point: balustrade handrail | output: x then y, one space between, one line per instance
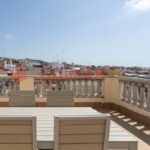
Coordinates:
50 77
134 80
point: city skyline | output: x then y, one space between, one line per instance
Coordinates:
114 33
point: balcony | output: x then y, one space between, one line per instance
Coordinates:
126 99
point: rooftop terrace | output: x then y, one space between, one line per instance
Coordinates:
126 99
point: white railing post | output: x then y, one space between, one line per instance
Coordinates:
148 98
135 98
44 88
99 88
85 88
92 88
3 87
129 93
124 93
142 97
74 87
79 88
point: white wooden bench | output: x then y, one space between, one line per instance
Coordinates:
118 138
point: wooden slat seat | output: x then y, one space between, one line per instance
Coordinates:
60 99
81 132
22 99
18 133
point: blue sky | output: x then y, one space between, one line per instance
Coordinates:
99 32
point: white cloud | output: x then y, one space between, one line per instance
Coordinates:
9 37
138 5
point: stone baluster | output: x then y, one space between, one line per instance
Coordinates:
129 93
79 88
76 88
50 85
1 88
85 88
9 85
59 85
62 85
148 98
82 88
125 92
4 89
6 86
15 85
73 87
44 88
88 89
56 86
142 97
135 97
92 88
67 85
98 88
38 87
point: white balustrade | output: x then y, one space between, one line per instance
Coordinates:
136 93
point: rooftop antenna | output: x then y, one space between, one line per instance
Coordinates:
57 58
3 53
62 55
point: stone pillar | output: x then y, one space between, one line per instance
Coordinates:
111 89
26 83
